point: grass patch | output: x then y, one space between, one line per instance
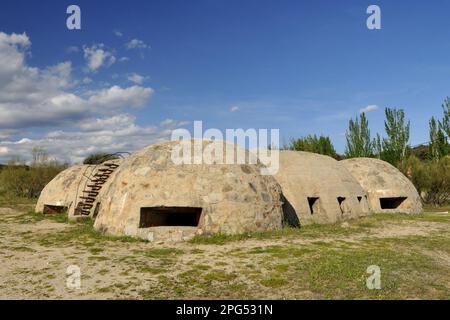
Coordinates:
34 217
274 281
81 232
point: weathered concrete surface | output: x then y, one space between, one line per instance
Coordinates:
235 198
305 176
382 180
63 190
67 187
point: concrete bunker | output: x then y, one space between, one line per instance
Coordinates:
76 190
154 198
387 188
60 194
319 189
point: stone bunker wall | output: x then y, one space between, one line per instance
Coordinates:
77 190
153 198
150 196
318 189
387 188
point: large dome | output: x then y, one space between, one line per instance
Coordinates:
388 189
154 198
318 189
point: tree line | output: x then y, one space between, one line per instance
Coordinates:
426 165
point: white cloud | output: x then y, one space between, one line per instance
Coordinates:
137 44
118 33
32 97
12 48
97 56
124 59
19 40
86 80
109 134
369 108
81 121
234 109
168 122
117 97
72 49
136 78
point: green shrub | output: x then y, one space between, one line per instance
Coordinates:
313 143
431 179
27 181
99 158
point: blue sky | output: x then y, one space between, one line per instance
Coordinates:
304 67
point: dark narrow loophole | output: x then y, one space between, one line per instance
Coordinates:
341 201
313 205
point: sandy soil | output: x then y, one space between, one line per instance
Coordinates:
111 269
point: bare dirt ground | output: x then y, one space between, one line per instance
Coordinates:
314 262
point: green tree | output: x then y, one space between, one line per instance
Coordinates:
99 158
312 143
359 143
22 181
445 124
395 146
378 146
438 142
39 156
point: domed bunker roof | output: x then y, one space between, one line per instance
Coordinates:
154 198
318 189
76 190
388 189
60 194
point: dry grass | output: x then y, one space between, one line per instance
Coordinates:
314 262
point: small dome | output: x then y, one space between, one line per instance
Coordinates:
60 194
388 189
77 190
318 189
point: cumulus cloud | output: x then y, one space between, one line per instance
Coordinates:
136 78
118 33
31 97
234 109
97 56
369 108
116 97
72 49
73 122
108 134
136 44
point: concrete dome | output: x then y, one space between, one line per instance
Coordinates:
77 190
61 193
318 189
388 189
153 198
